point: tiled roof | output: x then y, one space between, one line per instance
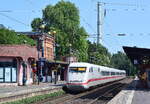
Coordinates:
34 34
23 51
30 33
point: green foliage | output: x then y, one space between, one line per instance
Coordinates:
64 19
63 15
98 54
36 98
11 37
121 61
26 40
36 23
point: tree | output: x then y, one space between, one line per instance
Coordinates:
11 37
121 61
36 23
64 19
98 54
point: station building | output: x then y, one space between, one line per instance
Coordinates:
15 64
48 44
19 63
140 58
43 40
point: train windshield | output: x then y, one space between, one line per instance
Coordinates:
77 69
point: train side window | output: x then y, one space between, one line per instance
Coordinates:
91 69
108 73
98 69
105 73
112 73
102 72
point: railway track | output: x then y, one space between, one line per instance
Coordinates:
106 96
95 96
98 95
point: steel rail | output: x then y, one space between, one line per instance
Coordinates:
116 87
69 97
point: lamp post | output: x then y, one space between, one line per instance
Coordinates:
54 52
40 48
55 73
42 39
70 52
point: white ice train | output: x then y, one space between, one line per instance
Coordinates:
82 76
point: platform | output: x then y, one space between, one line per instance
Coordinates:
133 94
11 93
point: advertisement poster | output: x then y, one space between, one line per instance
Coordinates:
1 74
13 74
7 74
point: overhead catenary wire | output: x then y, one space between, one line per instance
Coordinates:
121 4
34 11
90 26
108 45
30 2
101 15
19 11
13 19
105 42
3 13
111 31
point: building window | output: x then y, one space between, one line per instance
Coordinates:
8 72
49 52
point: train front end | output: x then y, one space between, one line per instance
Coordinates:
76 77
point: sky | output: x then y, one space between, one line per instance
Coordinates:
130 17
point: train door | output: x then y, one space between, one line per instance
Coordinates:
148 77
90 76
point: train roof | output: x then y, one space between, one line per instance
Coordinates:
83 64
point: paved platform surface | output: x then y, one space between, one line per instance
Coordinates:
141 95
7 91
126 95
135 93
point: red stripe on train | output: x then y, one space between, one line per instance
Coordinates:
91 80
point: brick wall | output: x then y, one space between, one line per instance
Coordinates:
49 48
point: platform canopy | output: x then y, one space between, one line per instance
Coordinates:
137 55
